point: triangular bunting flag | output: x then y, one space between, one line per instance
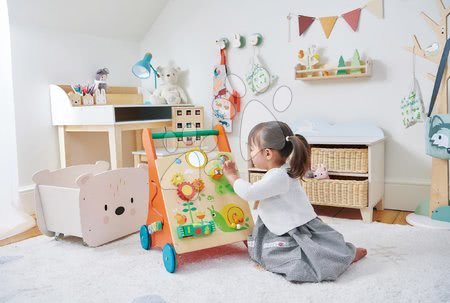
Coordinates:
304 22
352 18
328 24
376 8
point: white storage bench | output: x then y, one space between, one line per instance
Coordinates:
91 202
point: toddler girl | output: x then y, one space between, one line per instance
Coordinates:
288 237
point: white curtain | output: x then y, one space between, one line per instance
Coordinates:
12 220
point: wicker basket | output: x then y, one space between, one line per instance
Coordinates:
334 192
254 177
354 160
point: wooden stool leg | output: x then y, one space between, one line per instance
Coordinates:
62 146
115 146
138 134
136 160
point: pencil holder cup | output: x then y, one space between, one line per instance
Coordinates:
88 99
75 99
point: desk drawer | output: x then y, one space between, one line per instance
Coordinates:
133 113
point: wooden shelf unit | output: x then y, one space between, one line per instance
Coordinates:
318 73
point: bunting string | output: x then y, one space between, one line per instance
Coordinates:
376 7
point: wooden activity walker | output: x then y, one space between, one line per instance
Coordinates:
191 205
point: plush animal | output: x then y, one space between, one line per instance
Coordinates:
321 172
169 91
100 83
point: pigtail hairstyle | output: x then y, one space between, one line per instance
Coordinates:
292 148
300 160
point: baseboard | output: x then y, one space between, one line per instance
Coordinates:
399 195
26 199
405 195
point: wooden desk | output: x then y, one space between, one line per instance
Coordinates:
124 111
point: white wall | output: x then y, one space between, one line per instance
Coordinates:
185 33
41 57
11 220
116 19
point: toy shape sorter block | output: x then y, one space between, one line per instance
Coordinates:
186 119
91 202
192 206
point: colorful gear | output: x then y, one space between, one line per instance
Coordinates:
177 179
186 191
199 185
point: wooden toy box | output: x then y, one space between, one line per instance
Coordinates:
91 202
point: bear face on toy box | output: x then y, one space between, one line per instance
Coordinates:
112 204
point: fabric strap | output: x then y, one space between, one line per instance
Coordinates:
440 73
223 57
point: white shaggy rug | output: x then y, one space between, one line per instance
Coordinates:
404 264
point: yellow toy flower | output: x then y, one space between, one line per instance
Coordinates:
177 179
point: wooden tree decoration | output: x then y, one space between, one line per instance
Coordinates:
341 64
356 61
439 176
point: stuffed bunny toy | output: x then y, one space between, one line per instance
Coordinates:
321 172
100 82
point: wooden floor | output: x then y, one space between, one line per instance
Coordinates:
384 216
20 237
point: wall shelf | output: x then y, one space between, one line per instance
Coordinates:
319 73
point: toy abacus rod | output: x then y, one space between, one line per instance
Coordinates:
194 133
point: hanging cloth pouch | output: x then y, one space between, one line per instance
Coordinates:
437 134
258 78
412 108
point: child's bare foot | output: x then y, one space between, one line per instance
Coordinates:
360 253
259 267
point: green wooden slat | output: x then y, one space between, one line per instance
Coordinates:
193 133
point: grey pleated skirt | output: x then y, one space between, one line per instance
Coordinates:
312 252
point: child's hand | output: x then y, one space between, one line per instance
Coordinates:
229 168
230 171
